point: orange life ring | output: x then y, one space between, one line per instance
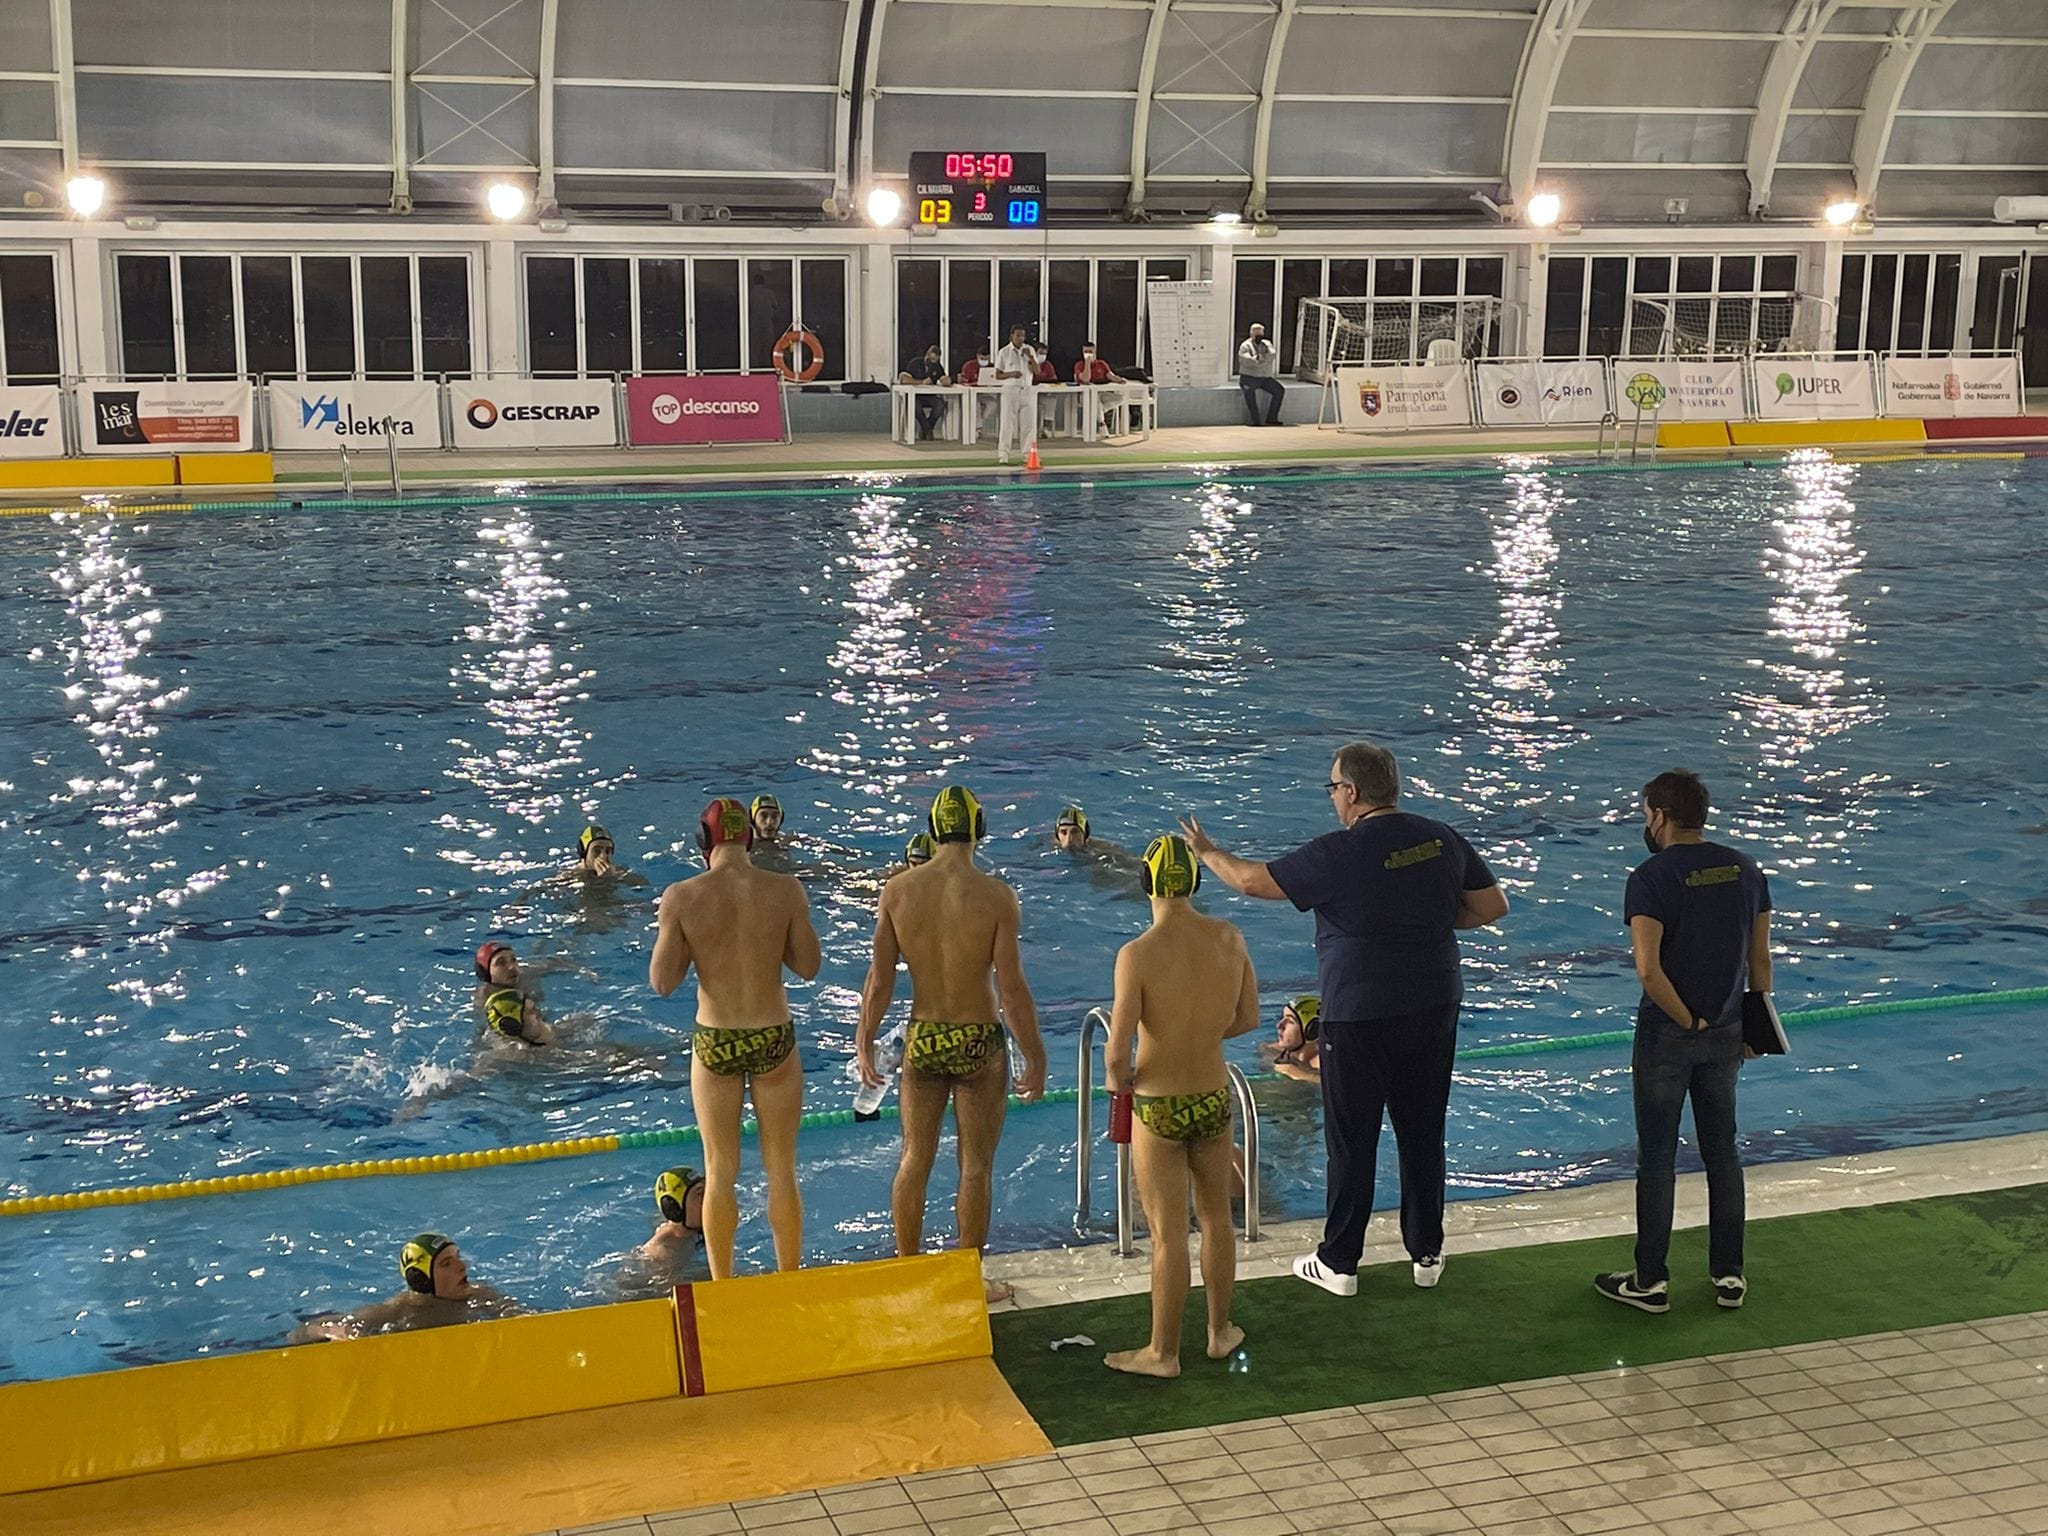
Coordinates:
812 369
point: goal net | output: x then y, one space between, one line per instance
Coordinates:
1744 325
1338 333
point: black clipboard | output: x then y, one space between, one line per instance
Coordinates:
1762 1030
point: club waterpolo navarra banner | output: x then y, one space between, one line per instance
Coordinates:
158 418
362 414
1674 390
1952 386
1398 397
1810 388
31 423
537 413
1538 393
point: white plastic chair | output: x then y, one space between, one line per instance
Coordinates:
1444 352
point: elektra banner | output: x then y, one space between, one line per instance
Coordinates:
1532 393
1674 389
361 413
1810 388
155 418
1952 386
704 408
533 413
31 423
1397 397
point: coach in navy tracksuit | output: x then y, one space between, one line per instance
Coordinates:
1389 893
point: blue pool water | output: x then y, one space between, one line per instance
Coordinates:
267 779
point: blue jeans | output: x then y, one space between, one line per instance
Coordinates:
1671 1064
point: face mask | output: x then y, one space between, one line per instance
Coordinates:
1088 356
1650 841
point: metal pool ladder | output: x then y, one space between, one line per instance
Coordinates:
1247 1118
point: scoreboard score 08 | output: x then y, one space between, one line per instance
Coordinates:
980 189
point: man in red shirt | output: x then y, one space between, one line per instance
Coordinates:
1092 369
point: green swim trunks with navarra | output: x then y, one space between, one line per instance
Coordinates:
744 1052
951 1050
1186 1116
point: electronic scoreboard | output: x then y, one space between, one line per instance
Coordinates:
978 189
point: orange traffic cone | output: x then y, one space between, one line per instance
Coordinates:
1031 464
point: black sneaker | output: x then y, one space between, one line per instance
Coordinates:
1623 1288
1729 1290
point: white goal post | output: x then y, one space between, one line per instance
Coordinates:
1333 333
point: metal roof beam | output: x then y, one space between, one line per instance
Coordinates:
544 108
870 92
1887 88
842 111
1551 33
1262 132
1141 116
401 133
1804 26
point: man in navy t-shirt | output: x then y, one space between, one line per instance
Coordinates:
1389 891
1699 918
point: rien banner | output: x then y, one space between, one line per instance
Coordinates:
1813 388
1397 397
1678 390
704 408
1952 386
306 413
31 423
1535 393
150 418
533 413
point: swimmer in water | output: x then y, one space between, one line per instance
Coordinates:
740 926
1183 987
957 928
438 1291
679 1235
498 968
514 1019
917 851
1072 835
1297 1047
595 852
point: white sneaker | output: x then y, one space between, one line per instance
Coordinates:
1310 1268
1428 1271
1002 458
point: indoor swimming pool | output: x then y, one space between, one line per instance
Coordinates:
268 778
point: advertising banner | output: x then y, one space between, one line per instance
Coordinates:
362 413
1532 393
165 418
704 408
31 422
1812 388
1952 386
1398 397
533 413
1678 389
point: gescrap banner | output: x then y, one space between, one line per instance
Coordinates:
533 413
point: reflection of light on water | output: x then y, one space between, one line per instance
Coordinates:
882 669
512 669
1803 803
1204 650
132 797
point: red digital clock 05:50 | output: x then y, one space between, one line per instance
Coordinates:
978 189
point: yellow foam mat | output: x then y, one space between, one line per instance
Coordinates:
1813 434
226 469
1692 434
85 474
574 1468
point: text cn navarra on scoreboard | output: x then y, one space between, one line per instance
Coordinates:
982 189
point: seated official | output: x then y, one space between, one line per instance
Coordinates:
1258 373
1044 372
1091 369
927 368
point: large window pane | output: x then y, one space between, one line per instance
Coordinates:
771 306
1849 317
917 312
664 326
607 314
1607 306
1564 306
1781 274
147 345
444 316
1349 279
28 318
1298 280
1913 299
824 310
387 317
1393 277
1166 269
1252 303
1941 323
327 285
969 320
715 312
1695 274
1653 275
1738 274
1440 275
1116 312
1018 303
551 314
206 290
1485 275
1884 293
270 342
1066 313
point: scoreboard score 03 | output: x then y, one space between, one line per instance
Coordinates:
977 189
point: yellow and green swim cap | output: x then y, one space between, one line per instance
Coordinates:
1171 868
763 803
1072 816
956 816
592 834
1310 1011
416 1260
505 1013
919 849
672 1194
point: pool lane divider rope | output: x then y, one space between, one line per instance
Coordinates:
636 1141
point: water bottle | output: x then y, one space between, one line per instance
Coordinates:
867 1099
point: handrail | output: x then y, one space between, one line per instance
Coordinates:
1084 1139
391 451
348 479
1248 1117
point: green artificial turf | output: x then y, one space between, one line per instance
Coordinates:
1524 1313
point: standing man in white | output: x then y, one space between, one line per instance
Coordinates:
1015 366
